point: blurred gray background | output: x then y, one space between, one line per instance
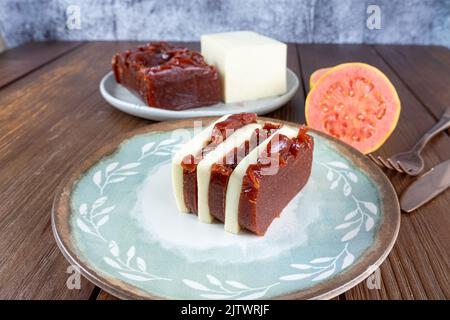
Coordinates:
336 21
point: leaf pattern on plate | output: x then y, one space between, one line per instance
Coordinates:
114 173
129 265
91 219
133 268
322 268
162 149
357 219
339 173
360 218
95 216
234 289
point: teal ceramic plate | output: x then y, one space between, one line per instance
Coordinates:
116 219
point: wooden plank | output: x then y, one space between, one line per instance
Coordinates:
50 120
103 295
54 117
419 265
18 62
425 70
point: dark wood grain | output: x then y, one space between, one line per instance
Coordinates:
49 122
419 265
20 61
425 70
103 295
52 117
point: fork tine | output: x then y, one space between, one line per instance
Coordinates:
402 167
378 163
394 165
386 164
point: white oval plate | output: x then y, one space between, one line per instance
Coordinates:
124 100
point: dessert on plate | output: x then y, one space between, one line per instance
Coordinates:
233 67
242 171
167 76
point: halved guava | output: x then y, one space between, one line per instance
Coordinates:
355 103
316 75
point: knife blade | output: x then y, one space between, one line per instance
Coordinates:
426 187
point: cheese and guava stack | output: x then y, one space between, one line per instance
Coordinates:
241 171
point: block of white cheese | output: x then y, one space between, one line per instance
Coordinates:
235 182
193 146
251 66
204 167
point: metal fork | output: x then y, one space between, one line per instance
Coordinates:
411 162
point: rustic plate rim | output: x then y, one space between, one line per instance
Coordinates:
383 243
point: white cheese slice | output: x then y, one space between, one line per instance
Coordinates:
204 167
193 146
235 182
251 66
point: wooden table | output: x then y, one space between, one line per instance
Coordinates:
52 116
